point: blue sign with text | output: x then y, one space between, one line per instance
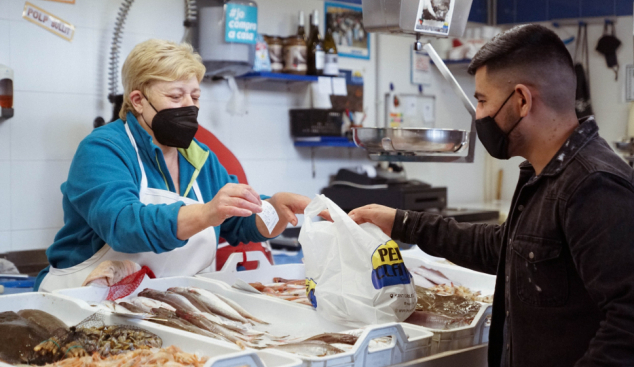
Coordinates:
241 23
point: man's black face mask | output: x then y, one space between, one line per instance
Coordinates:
175 127
495 141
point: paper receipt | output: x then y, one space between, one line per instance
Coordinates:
268 216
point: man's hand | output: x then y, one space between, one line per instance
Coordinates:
287 205
379 215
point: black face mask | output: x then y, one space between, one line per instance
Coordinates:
175 127
492 137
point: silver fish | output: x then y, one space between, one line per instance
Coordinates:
218 306
147 304
175 300
244 313
310 348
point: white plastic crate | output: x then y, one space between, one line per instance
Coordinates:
409 342
476 281
443 340
73 311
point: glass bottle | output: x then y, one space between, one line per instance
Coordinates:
315 47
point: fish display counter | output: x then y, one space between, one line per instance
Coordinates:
436 281
39 328
212 309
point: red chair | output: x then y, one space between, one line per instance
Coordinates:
233 166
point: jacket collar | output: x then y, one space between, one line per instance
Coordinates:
584 133
195 154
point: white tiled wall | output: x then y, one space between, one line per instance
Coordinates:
61 86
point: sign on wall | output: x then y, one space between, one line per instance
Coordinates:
48 21
241 23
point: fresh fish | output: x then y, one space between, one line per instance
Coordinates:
43 319
310 348
289 281
115 307
147 304
433 275
169 318
110 272
132 308
175 300
194 298
18 337
218 306
244 313
201 322
332 338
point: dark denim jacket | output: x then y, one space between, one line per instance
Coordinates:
564 259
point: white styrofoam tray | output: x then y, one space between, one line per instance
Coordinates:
73 311
409 342
476 281
443 340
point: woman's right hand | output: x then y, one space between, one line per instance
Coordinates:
233 200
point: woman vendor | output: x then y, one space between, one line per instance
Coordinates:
142 189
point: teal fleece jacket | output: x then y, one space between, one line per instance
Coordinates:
101 197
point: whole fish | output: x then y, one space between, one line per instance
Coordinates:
310 348
132 308
147 304
332 338
18 337
169 318
201 322
217 306
45 320
191 297
175 300
244 313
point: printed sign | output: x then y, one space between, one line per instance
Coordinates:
241 23
310 291
48 21
434 16
388 265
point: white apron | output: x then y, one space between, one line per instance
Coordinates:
198 255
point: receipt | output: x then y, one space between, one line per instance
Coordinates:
268 216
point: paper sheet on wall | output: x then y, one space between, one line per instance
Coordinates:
339 87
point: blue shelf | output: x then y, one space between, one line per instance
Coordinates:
279 77
325 141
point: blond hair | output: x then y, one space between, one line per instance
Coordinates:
157 60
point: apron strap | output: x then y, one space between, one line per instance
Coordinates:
144 183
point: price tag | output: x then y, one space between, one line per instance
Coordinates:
241 23
48 21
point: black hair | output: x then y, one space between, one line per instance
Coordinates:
532 53
522 45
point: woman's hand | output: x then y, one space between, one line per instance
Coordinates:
379 215
287 205
233 200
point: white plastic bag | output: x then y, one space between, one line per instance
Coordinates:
355 274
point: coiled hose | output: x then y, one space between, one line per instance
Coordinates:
114 97
113 70
191 12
